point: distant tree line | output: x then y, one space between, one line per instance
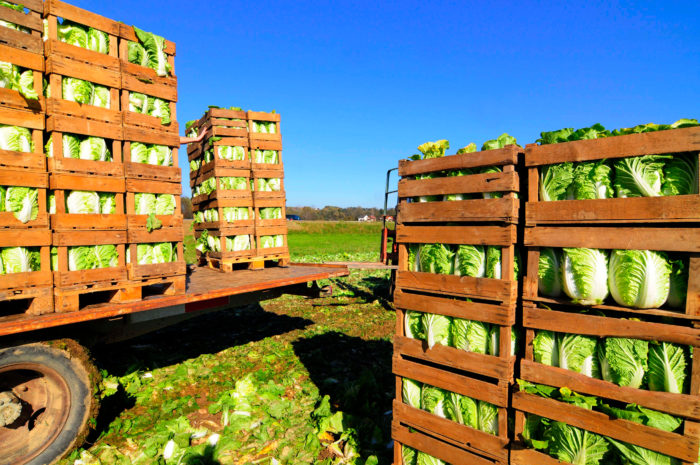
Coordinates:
331 213
327 213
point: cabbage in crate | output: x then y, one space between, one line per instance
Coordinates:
16 139
17 78
19 259
23 202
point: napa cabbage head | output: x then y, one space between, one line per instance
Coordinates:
584 275
462 409
106 256
435 149
591 180
668 364
238 243
640 176
555 137
411 392
624 361
23 202
155 56
165 204
95 149
427 459
433 400
549 272
555 181
241 213
108 204
574 445
639 278
470 260
681 175
488 418
77 90
494 347
73 34
100 96
81 258
437 329
469 335
145 203
413 324
160 109
83 202
436 258
97 41
408 455
502 141
19 259
16 139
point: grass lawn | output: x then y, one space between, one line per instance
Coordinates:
286 381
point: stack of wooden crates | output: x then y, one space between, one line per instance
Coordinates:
666 224
483 219
56 123
235 151
30 292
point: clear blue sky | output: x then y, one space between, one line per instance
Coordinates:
360 85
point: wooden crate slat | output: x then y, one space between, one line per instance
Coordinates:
26 280
473 183
503 315
127 32
21 40
86 183
30 21
56 106
69 279
23 58
81 16
665 239
165 91
140 236
480 288
153 187
502 209
648 143
531 456
79 238
497 157
25 119
472 235
675 445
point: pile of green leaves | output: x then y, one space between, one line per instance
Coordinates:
19 259
149 51
635 278
656 366
83 36
151 154
464 410
81 147
460 333
580 447
16 139
152 106
15 77
22 201
640 176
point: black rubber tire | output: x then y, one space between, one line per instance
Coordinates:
72 362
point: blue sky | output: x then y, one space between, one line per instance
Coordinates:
360 85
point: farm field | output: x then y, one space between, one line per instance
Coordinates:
288 381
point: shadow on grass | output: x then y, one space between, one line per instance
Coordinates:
369 289
207 334
205 458
356 374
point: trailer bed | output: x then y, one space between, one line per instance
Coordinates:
206 288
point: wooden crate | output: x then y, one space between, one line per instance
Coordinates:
139 222
219 205
669 209
144 80
272 251
34 121
493 446
669 239
196 151
83 120
31 41
140 272
26 178
146 171
268 173
61 183
28 60
258 144
29 292
434 445
266 117
500 291
503 209
270 203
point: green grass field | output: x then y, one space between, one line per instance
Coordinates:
292 380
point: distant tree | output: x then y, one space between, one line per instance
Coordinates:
186 207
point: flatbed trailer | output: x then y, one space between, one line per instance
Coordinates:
47 381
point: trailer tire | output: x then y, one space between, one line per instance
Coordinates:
56 382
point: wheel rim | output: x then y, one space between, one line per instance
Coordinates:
45 398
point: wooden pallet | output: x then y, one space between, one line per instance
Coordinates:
30 42
34 121
25 178
139 222
197 150
27 292
255 262
219 205
176 268
669 239
267 117
669 209
62 183
146 171
79 297
503 209
28 60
